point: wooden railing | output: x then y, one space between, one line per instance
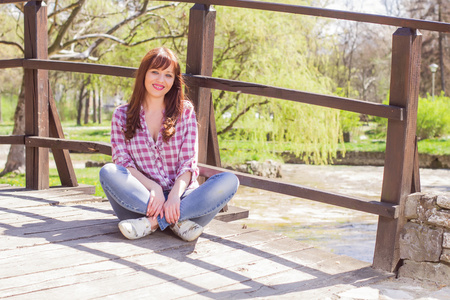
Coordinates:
401 172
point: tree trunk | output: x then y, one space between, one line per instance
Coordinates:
100 101
86 107
94 106
80 105
16 155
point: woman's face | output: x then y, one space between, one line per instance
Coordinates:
159 81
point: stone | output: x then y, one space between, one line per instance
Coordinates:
446 240
440 218
435 272
411 205
443 201
268 169
420 243
445 256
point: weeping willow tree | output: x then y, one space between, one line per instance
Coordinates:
274 49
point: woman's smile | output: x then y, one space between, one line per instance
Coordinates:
159 87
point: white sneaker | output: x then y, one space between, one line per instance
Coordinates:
187 230
136 228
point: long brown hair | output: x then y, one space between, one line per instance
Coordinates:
158 58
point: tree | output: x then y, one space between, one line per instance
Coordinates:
435 45
88 30
272 48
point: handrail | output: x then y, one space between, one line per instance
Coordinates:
12 1
358 106
363 107
328 13
318 12
355 203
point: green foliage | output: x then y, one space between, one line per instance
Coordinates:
434 146
8 107
272 48
433 119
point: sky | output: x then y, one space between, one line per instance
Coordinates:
366 6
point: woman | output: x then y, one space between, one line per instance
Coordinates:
153 181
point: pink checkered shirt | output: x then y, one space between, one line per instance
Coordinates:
161 162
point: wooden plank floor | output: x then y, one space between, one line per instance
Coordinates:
60 244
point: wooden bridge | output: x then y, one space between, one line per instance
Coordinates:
55 233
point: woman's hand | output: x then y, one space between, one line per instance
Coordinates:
172 209
156 203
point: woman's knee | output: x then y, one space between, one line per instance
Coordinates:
231 179
228 180
111 172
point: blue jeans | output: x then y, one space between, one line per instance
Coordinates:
129 197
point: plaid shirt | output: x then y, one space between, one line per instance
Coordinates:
161 162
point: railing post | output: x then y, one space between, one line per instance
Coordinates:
400 143
36 94
199 61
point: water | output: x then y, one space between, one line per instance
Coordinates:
339 230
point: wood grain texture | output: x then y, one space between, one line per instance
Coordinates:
36 94
400 143
62 158
73 249
364 107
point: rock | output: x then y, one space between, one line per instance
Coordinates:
412 204
94 164
440 218
445 256
446 240
427 207
443 201
268 169
435 272
420 243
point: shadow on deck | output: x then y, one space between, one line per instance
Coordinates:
65 242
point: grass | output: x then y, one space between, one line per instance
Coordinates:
88 176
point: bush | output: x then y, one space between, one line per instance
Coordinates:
433 117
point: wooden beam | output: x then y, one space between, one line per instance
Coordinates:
399 161
328 13
79 67
358 106
74 145
62 157
36 94
11 63
386 210
363 107
415 185
12 139
12 1
199 62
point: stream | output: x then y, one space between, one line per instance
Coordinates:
339 230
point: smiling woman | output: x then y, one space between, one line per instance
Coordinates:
153 181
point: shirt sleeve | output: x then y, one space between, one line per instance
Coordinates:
188 157
120 153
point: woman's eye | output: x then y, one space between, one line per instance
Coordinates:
154 72
169 75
